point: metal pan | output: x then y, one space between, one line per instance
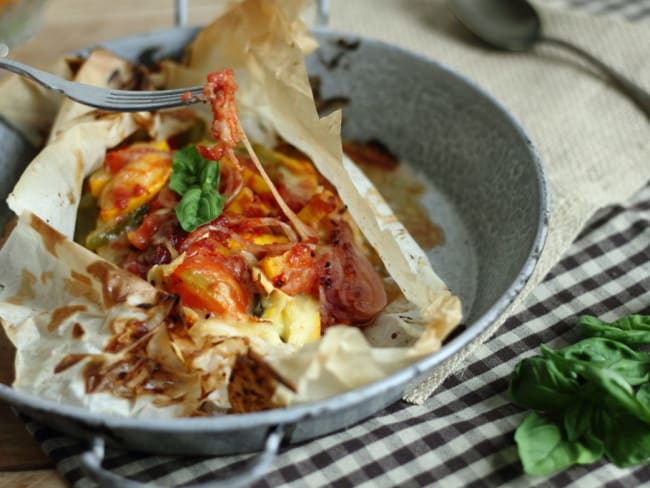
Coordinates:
486 190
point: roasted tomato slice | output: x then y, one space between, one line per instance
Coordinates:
294 271
130 178
214 283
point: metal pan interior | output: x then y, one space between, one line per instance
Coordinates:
485 188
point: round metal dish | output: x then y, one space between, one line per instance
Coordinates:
487 191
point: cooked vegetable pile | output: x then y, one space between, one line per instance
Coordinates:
590 399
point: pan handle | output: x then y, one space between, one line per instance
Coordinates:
322 13
91 463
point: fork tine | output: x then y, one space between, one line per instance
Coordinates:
163 95
195 90
134 100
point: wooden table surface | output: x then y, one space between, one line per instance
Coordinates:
68 25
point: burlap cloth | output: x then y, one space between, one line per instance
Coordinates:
594 142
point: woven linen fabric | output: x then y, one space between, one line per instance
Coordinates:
463 435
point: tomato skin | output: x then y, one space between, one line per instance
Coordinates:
121 196
220 91
213 283
118 158
156 227
137 182
299 271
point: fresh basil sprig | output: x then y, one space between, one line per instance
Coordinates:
590 399
196 179
632 329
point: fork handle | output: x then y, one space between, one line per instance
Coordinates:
322 13
34 74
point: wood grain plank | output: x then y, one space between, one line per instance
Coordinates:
76 24
18 450
32 479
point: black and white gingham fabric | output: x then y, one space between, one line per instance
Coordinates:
463 435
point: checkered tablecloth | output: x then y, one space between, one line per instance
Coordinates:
463 435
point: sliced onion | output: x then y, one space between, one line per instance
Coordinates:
351 290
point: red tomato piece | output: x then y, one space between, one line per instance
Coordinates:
213 282
299 271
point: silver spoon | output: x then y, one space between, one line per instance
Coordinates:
514 25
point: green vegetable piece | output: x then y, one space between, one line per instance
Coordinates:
198 207
631 329
543 448
187 166
633 365
577 420
196 179
87 214
615 392
643 395
537 383
596 395
627 440
107 232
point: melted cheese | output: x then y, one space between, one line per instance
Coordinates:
296 319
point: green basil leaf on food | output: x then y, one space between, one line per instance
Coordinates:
187 209
209 175
631 329
544 449
537 383
196 179
187 167
211 205
198 207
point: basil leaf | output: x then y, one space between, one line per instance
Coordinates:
187 166
615 392
537 383
544 449
643 395
627 439
633 365
209 175
198 207
596 393
577 420
632 329
196 179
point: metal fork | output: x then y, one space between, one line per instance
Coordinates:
104 98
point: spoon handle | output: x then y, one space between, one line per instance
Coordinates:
640 96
